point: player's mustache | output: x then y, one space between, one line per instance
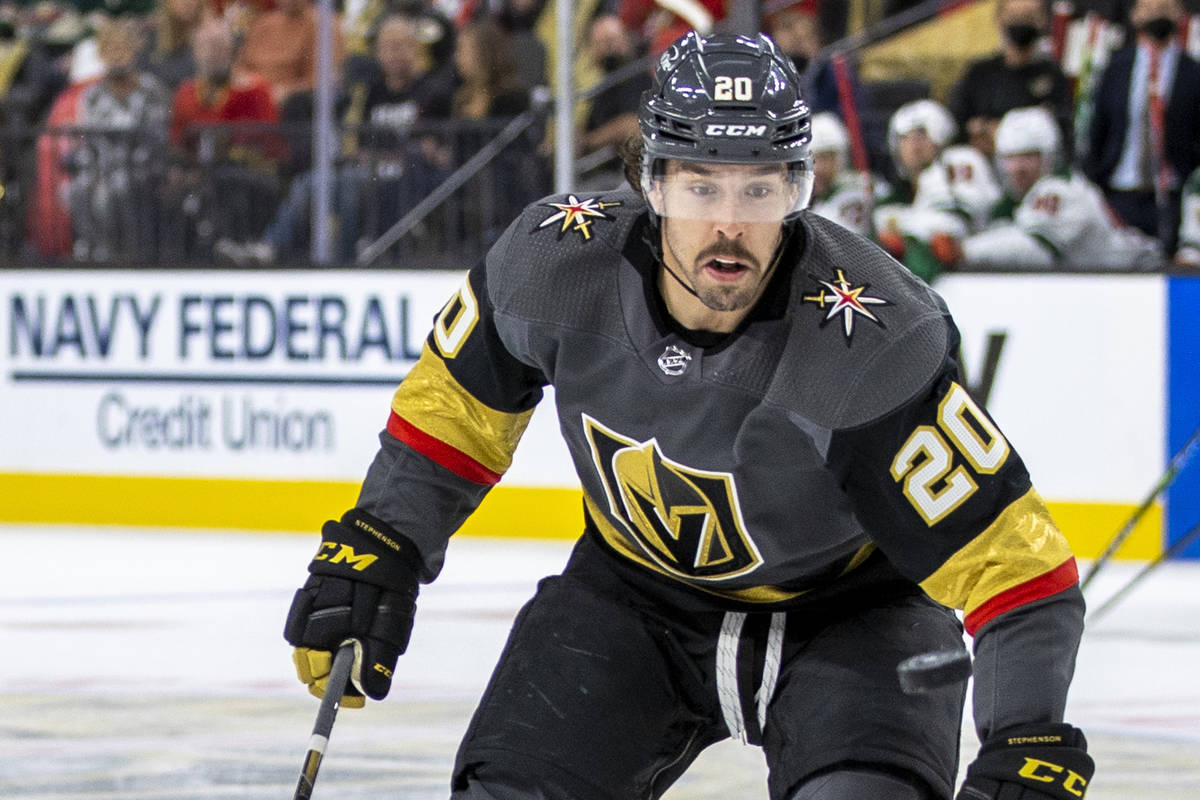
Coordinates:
727 249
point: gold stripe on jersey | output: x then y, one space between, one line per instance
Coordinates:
752 594
432 400
1022 544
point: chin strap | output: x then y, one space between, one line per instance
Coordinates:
678 279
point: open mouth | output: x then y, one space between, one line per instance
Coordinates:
726 267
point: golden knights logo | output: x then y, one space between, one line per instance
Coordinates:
840 297
686 520
577 215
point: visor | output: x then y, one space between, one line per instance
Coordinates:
730 193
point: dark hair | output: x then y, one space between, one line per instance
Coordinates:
494 46
630 153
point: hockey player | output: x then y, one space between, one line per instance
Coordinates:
1054 217
1188 254
839 193
786 489
945 190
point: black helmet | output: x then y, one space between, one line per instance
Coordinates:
725 99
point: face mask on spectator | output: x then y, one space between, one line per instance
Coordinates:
1160 28
1022 34
611 62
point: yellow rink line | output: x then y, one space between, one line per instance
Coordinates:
274 505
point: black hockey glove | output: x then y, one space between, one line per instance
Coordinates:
1030 762
362 588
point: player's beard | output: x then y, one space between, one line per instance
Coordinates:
723 296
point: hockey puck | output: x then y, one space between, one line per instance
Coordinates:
934 670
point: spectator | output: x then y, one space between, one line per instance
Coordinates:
168 54
490 85
1145 134
434 30
221 177
798 34
944 193
839 193
661 23
389 169
612 115
40 62
519 18
117 167
1188 252
1052 217
1021 74
490 90
384 171
281 45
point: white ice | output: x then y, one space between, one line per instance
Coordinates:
150 664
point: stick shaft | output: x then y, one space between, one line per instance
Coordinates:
1174 467
1174 550
339 675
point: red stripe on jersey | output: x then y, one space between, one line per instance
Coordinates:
1061 577
449 457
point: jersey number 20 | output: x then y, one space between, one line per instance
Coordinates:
925 463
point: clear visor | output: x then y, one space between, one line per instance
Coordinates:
729 192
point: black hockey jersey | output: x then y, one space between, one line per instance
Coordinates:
829 430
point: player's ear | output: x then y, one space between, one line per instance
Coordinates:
653 190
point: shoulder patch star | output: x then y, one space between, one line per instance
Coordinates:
840 297
577 215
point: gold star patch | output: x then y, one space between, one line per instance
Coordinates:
840 297
577 215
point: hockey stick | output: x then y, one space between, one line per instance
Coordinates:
339 675
1180 545
1177 463
858 147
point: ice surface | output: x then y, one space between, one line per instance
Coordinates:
148 665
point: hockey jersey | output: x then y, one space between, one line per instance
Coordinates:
830 430
1062 222
1188 252
953 196
827 442
847 203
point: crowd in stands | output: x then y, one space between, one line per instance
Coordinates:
171 132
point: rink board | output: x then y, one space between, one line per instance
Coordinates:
254 399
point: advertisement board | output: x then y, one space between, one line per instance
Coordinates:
254 399
211 398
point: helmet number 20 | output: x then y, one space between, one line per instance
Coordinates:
925 462
727 88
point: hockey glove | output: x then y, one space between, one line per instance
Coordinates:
362 588
946 249
1030 762
892 241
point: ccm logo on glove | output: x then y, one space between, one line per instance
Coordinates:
1048 772
345 554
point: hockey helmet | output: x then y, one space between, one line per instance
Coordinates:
1030 130
727 99
829 136
929 115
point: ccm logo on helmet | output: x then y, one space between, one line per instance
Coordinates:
735 130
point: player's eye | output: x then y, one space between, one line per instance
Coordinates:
702 189
760 191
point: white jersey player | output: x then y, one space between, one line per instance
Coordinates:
954 188
1188 254
839 193
1060 218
